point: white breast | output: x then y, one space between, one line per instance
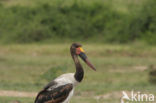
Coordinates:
65 79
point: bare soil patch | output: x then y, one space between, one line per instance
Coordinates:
11 93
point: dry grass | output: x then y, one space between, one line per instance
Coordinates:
119 67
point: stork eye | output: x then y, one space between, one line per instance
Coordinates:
78 51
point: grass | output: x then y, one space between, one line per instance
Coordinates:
119 67
74 100
119 5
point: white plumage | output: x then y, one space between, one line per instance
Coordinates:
66 78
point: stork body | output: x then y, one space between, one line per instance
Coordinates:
61 89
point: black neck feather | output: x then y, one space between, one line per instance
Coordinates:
79 70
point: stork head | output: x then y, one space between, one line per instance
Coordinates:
77 49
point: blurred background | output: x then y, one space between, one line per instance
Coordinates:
119 37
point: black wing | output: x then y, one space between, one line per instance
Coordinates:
56 95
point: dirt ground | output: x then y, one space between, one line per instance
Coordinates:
17 93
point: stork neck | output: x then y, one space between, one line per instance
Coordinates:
79 70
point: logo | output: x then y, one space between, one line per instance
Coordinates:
136 97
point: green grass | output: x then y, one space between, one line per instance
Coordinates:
76 99
119 67
119 5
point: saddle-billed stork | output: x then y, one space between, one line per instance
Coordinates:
61 89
